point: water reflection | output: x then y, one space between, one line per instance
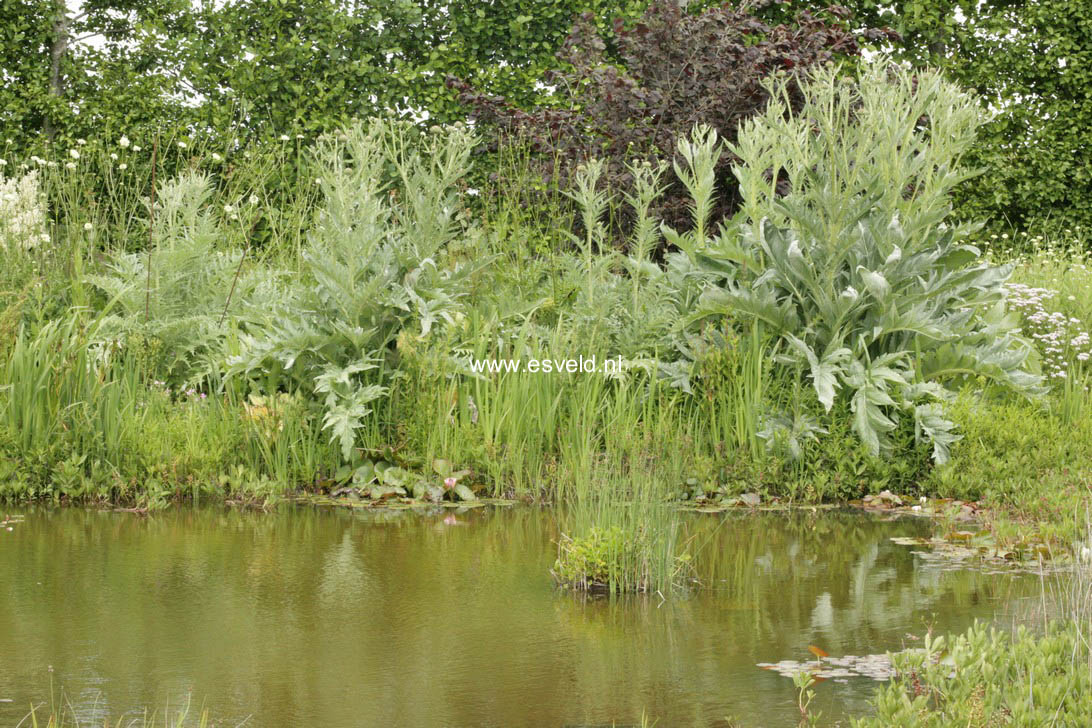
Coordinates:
345 618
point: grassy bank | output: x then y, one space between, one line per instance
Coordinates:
212 335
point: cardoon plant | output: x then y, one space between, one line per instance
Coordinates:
372 270
843 253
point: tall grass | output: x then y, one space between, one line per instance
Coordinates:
108 183
60 713
82 420
1069 598
54 382
619 527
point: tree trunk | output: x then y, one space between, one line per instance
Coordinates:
56 56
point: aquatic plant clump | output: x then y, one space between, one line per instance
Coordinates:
616 560
590 562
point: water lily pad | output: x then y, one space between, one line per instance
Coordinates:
463 505
379 492
751 500
978 550
874 667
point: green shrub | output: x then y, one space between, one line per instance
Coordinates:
675 67
1029 465
985 677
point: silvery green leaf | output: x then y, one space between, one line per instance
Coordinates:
930 422
794 251
876 284
823 373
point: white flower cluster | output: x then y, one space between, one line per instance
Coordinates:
1060 339
22 213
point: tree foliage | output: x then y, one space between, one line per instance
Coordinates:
1030 62
267 67
675 69
103 69
264 68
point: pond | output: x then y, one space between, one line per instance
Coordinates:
331 617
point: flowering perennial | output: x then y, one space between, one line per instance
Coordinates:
1060 338
22 213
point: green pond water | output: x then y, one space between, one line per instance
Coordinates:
323 617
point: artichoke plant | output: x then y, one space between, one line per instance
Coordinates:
842 253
